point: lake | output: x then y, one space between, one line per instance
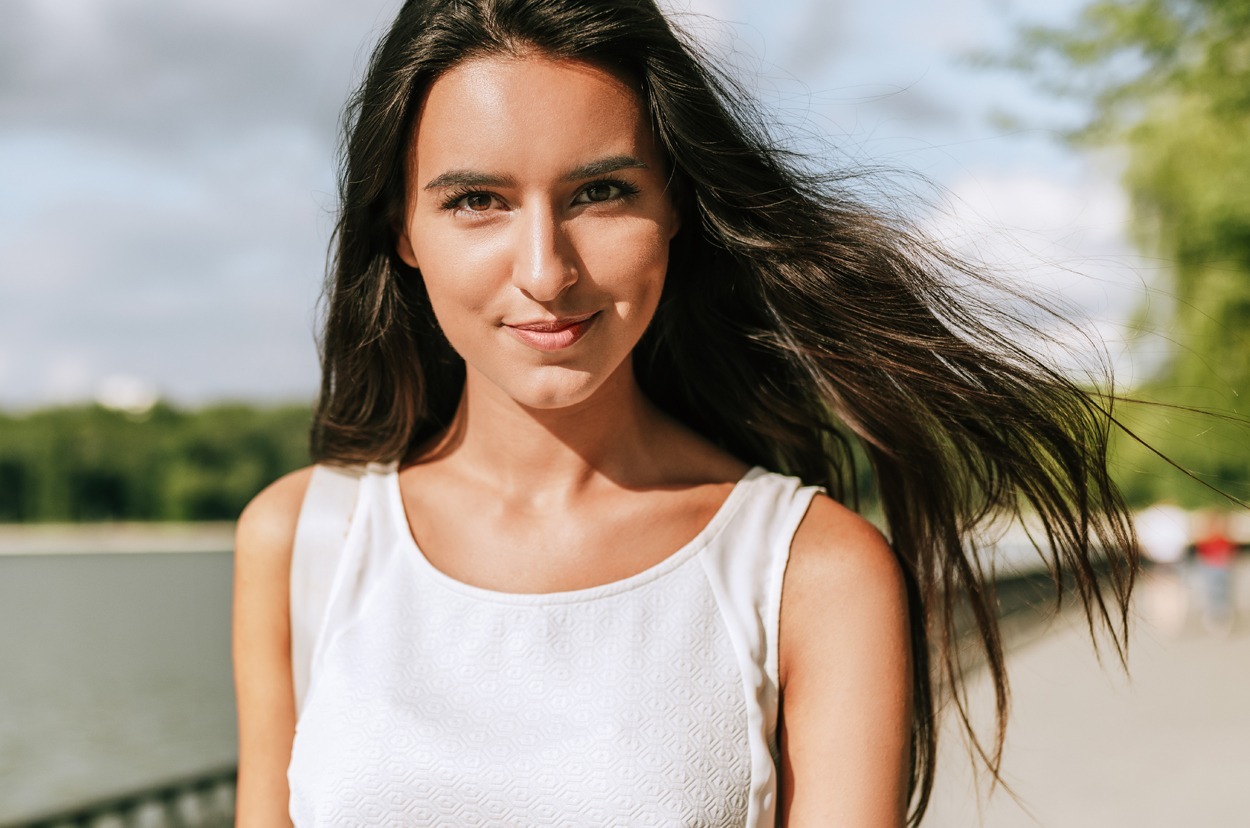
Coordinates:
114 673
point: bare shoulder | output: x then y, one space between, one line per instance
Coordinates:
845 671
262 648
263 542
266 528
842 580
835 548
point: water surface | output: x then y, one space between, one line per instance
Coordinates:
114 674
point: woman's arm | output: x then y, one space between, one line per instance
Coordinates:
262 650
845 672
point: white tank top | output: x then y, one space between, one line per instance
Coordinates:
423 700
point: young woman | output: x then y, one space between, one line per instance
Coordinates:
579 550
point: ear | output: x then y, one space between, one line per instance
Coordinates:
674 225
403 247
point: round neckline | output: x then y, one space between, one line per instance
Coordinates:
657 570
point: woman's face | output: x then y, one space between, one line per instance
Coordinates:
539 218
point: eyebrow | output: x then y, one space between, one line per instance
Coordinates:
604 166
474 178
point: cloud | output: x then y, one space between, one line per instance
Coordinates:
813 35
169 178
1061 239
163 279
157 75
1059 233
168 168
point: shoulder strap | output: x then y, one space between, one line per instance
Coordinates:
750 562
745 567
792 503
324 519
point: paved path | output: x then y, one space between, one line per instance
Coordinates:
1167 746
113 538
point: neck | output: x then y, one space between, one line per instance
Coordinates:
530 453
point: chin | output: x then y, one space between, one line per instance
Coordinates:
552 387
555 388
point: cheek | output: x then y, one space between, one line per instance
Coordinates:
628 261
461 278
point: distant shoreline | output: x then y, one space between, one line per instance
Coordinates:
114 538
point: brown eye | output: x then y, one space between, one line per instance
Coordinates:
599 192
477 202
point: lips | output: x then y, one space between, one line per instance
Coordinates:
552 334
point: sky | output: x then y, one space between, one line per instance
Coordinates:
167 172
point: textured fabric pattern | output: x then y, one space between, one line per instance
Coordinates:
432 702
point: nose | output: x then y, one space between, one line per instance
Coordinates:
543 266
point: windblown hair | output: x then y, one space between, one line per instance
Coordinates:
799 328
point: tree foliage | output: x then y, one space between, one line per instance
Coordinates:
91 463
1169 85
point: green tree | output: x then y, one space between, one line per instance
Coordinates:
1169 84
87 463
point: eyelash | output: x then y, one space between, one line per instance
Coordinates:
627 191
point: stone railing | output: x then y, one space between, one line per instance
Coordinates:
202 801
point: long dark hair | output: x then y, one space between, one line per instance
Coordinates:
813 328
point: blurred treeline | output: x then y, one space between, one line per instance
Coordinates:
1167 86
90 463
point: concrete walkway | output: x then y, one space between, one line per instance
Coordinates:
1167 746
114 538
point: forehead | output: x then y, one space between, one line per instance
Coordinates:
529 114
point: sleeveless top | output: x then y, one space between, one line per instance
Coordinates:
423 700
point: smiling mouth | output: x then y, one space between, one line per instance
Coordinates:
554 334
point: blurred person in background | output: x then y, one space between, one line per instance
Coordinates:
1163 533
599 361
1214 552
